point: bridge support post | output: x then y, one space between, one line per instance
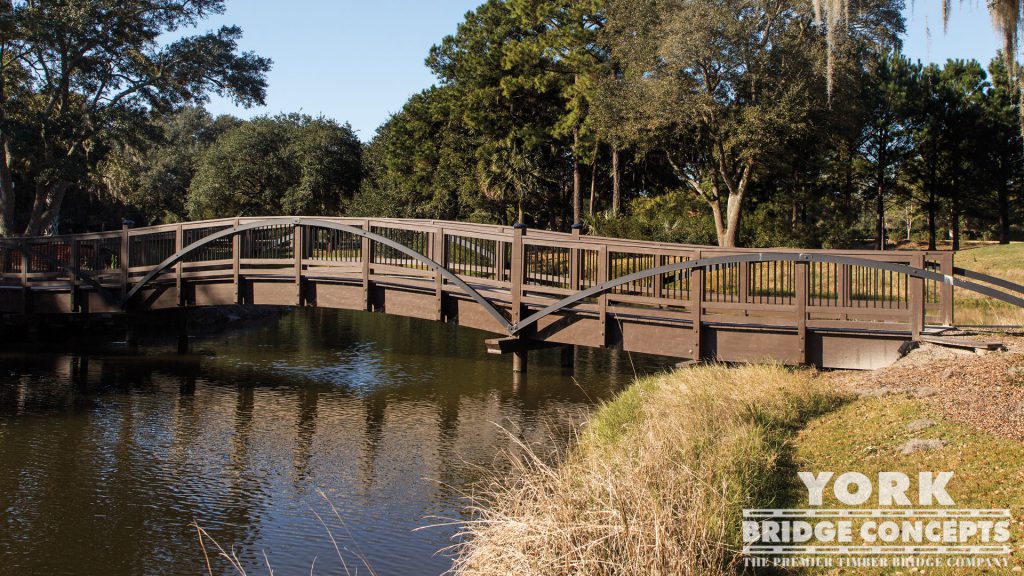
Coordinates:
568 358
520 355
131 336
178 288
236 266
80 373
124 259
519 361
298 248
366 247
438 253
184 343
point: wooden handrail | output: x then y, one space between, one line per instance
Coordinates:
567 266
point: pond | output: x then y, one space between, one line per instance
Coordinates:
279 440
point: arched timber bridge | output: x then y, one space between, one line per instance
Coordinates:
833 309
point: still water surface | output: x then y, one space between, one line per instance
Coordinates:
107 457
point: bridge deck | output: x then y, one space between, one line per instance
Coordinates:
837 309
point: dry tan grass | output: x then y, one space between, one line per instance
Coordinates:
1003 261
656 483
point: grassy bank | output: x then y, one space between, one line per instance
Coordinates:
657 481
868 436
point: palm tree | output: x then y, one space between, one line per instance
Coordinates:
509 172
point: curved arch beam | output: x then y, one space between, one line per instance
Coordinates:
1005 284
762 257
89 279
228 232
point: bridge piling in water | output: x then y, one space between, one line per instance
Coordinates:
520 359
534 288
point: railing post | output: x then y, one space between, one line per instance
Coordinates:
500 263
603 273
366 248
519 356
236 264
439 254
178 268
800 281
124 259
26 292
297 250
518 274
73 263
697 309
946 290
915 299
659 280
574 263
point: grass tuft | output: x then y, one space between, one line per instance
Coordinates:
656 483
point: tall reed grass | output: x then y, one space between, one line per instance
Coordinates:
656 482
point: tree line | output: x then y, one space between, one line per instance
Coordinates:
737 122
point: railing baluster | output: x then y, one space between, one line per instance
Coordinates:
800 281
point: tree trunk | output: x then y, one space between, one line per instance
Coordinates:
880 213
733 210
575 176
933 200
931 219
1004 213
955 217
593 184
6 192
716 214
46 208
956 189
616 177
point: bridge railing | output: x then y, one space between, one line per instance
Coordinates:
516 268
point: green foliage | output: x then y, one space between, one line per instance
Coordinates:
81 75
708 120
674 216
420 163
289 164
152 175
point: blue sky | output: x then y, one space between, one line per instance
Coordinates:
358 61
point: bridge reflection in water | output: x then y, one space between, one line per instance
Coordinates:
534 288
108 457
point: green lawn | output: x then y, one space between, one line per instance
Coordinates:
867 436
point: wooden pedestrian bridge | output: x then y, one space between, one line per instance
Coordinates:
532 288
